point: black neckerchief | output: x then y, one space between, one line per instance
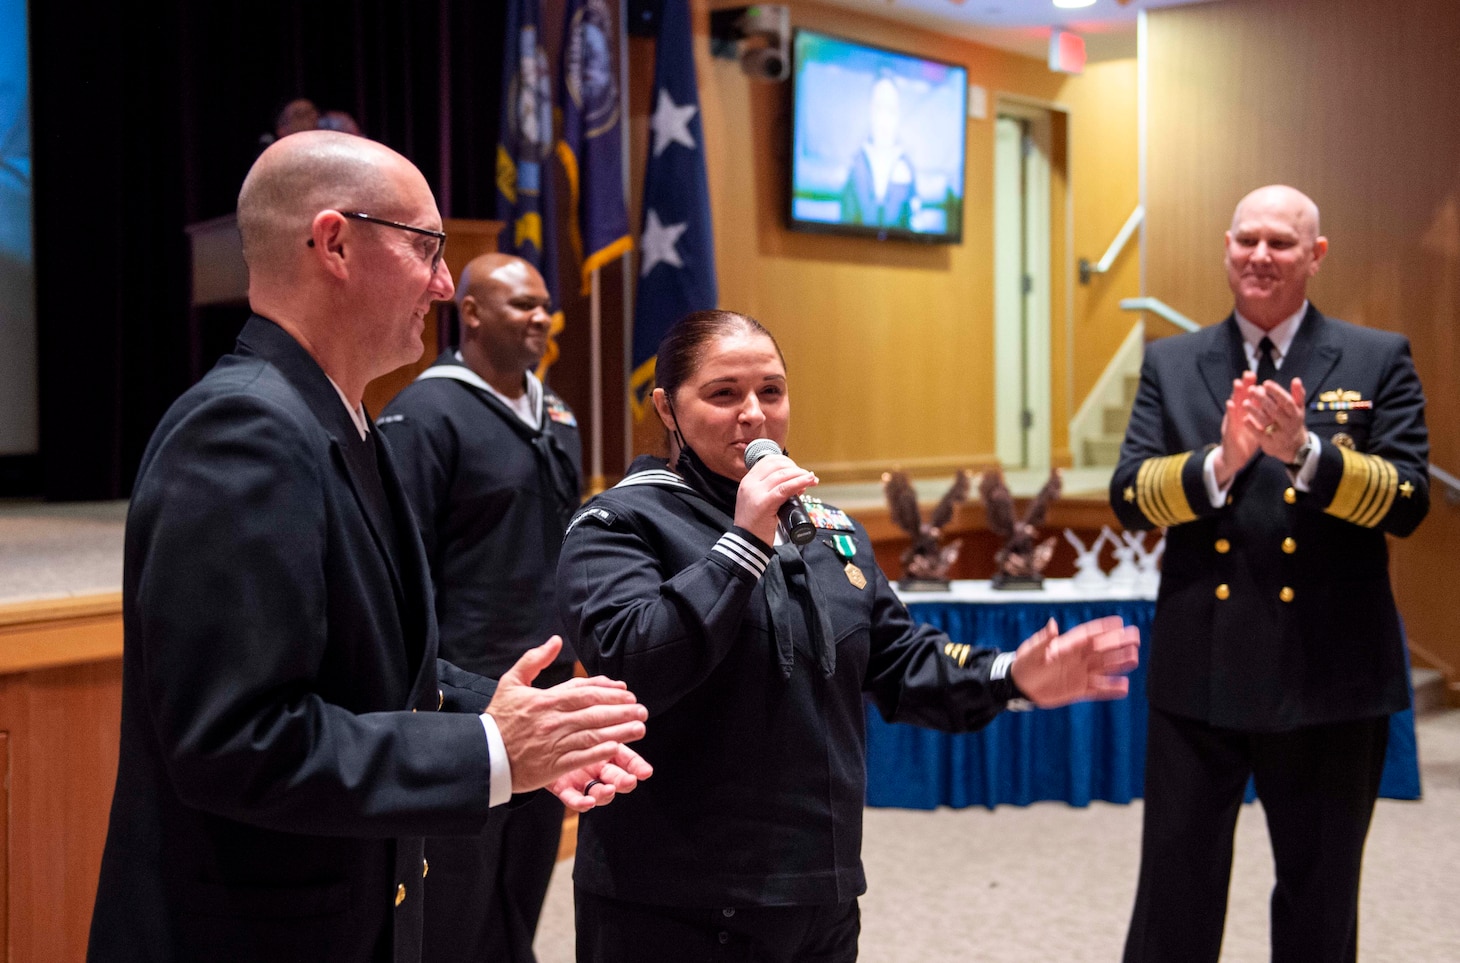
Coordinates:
786 579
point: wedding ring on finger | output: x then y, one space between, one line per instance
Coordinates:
591 783
1271 427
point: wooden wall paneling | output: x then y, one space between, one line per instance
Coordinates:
64 726
889 344
1353 102
1104 173
60 711
5 842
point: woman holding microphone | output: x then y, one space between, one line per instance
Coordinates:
753 655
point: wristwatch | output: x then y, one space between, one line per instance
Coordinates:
1301 456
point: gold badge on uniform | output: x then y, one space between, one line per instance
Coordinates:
846 547
1344 440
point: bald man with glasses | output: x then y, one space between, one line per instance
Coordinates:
288 733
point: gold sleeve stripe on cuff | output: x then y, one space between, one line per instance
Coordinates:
1159 493
1366 489
1148 498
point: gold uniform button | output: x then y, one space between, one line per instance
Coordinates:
440 699
1289 546
400 894
1341 417
1286 594
1290 495
1223 546
425 868
1223 592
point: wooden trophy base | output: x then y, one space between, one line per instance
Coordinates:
923 585
1018 583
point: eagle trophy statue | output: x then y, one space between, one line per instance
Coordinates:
1021 561
925 564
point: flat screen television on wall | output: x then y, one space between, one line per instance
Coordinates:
877 143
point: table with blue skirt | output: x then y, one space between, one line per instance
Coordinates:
1087 751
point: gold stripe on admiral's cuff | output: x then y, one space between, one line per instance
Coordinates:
1160 495
1145 501
1366 489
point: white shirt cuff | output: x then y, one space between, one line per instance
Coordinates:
501 768
1304 478
1218 496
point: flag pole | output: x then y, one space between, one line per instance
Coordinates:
626 349
596 481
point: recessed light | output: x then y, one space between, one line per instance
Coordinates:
1073 4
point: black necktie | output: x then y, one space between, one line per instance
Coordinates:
1266 370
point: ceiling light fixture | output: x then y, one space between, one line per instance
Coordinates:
1073 4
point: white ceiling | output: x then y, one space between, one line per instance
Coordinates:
1022 26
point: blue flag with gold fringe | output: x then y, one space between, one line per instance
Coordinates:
591 145
524 145
676 244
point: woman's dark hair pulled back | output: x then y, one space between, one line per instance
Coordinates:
683 345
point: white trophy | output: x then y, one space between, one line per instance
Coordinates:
1149 581
1126 572
1088 574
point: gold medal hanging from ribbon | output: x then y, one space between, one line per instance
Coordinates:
845 548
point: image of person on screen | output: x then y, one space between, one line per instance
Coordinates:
881 189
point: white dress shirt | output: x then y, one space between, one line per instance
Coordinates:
1282 336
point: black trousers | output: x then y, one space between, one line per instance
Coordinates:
484 893
1317 786
615 931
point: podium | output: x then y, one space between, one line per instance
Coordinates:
219 296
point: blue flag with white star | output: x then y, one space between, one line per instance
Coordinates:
591 145
524 145
676 244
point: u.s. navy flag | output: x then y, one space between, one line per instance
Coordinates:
524 143
677 247
591 146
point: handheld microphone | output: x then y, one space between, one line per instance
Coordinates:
792 514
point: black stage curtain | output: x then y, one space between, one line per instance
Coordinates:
146 118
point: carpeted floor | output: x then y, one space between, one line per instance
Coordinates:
1054 883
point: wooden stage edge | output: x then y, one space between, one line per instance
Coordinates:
47 633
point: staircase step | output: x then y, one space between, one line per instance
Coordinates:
1129 386
1113 420
1102 452
1429 690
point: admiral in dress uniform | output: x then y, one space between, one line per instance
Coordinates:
490 458
1277 449
752 658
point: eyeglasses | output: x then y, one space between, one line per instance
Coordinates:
440 236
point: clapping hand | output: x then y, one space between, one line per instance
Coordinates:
574 729
1241 433
583 789
1087 662
1275 415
